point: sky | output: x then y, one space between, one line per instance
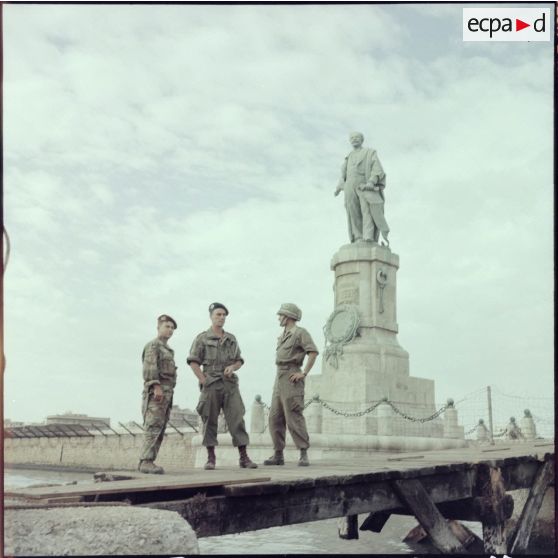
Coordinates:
159 158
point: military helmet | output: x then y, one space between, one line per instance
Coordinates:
290 310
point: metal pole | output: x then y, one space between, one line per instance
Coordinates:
110 428
129 431
171 424
190 424
139 426
490 423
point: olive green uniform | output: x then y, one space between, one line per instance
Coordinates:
214 354
287 402
158 368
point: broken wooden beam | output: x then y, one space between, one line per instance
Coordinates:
414 496
522 533
419 537
375 521
347 527
493 507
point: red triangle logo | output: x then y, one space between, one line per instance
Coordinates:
519 25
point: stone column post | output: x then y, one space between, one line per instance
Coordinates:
527 426
313 416
451 428
385 420
257 422
482 432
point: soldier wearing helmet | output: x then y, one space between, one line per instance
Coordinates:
159 379
288 392
218 352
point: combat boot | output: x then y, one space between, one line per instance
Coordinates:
147 466
210 465
275 459
245 462
303 461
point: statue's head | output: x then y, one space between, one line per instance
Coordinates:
356 139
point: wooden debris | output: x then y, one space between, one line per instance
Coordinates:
110 477
347 527
415 497
493 508
470 541
520 538
375 522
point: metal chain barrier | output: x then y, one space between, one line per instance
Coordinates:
414 419
375 404
344 413
472 430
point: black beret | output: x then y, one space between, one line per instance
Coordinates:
215 305
166 318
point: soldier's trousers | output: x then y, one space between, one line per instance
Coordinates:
222 394
155 417
287 405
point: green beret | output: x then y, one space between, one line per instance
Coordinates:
215 305
166 318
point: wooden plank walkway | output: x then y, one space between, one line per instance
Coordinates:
376 462
136 483
434 486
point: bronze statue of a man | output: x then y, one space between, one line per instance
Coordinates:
363 180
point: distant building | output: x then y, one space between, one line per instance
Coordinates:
12 423
83 420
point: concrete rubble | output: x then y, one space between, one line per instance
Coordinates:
101 530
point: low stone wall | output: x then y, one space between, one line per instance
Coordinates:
98 451
326 447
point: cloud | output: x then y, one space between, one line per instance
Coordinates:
162 158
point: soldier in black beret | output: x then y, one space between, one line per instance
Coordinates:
159 379
218 352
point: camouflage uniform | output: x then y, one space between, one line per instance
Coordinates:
287 402
158 368
214 354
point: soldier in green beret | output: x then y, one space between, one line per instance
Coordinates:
159 379
287 401
218 352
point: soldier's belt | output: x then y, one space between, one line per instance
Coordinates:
208 369
288 366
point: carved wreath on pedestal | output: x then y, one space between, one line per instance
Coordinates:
340 329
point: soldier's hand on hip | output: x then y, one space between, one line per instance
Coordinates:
229 371
296 376
157 392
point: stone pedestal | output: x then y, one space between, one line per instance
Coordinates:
257 421
483 436
528 428
451 426
373 365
